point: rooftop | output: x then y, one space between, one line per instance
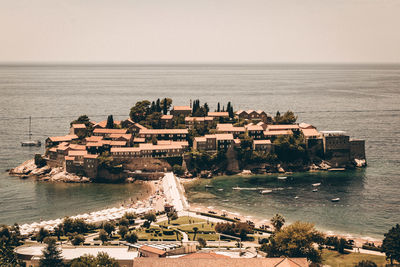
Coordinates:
63 138
262 142
109 131
163 131
278 127
79 126
218 114
281 132
182 108
152 250
167 117
224 136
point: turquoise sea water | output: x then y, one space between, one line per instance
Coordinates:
363 100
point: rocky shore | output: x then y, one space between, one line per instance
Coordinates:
28 169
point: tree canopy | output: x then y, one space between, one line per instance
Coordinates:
391 244
102 259
51 254
295 240
9 239
287 118
278 221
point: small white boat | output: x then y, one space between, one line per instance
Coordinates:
335 199
236 188
220 189
31 142
208 186
282 177
296 197
315 190
316 184
266 191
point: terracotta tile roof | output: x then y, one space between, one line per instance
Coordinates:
163 131
210 136
278 127
167 117
94 144
149 146
125 149
254 128
218 114
79 126
93 138
204 255
103 124
91 156
69 158
237 141
139 126
219 262
63 138
310 132
117 143
262 142
200 139
274 133
152 250
77 147
239 112
224 137
228 127
74 153
305 126
53 149
139 140
109 131
182 108
198 119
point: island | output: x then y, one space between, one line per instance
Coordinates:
191 141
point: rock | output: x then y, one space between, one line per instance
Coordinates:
41 171
24 168
360 162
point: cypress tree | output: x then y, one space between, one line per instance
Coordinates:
152 107
165 108
110 122
218 107
158 107
206 107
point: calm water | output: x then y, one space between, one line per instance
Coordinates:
362 100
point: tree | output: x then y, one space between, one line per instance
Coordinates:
131 237
206 107
391 244
140 110
51 254
83 119
218 107
104 260
78 240
110 122
123 230
151 217
42 234
154 140
366 263
277 222
287 118
130 217
123 221
166 104
195 229
109 227
202 242
295 240
9 239
172 215
103 236
84 261
178 170
290 148
58 231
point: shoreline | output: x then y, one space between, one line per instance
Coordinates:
358 239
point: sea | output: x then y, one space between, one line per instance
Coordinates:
363 100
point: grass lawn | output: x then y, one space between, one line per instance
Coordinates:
207 237
142 234
334 258
203 226
181 220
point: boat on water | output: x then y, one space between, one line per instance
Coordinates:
335 199
220 189
209 186
266 191
236 188
31 142
282 177
315 190
316 184
296 197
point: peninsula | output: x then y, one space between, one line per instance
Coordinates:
191 141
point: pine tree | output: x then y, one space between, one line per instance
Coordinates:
219 107
51 255
206 107
110 122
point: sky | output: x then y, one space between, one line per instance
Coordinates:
189 31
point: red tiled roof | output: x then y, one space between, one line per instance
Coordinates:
125 149
109 131
182 108
218 114
262 142
103 124
93 138
224 136
69 158
90 156
152 250
77 147
254 128
63 138
163 131
73 153
310 132
273 133
204 255
278 127
117 143
167 117
79 126
139 140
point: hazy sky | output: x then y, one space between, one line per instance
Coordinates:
200 31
